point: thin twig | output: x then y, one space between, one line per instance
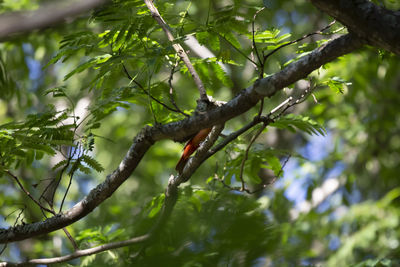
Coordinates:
72 171
182 20
274 179
251 143
221 180
146 91
267 121
66 191
178 48
254 48
50 201
27 192
4 248
283 165
71 239
260 110
150 75
246 154
288 100
9 214
256 120
19 215
232 137
290 103
240 189
237 49
171 89
297 40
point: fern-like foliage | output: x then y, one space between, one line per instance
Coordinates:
92 163
294 123
39 134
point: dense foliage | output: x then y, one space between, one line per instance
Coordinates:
317 186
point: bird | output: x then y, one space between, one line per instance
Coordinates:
190 147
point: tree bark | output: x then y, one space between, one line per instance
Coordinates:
377 25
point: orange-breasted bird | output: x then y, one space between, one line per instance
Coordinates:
191 147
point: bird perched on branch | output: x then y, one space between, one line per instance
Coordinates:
190 147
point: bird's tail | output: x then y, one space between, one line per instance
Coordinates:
181 164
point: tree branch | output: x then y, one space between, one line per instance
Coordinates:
380 26
132 79
47 16
248 98
27 192
80 253
295 41
178 48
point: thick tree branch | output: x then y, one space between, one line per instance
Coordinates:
248 98
178 48
47 16
377 25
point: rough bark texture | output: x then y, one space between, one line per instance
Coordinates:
379 26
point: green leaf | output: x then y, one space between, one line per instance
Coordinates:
389 197
292 122
274 164
90 63
60 164
57 91
84 169
156 205
112 235
336 84
208 39
266 35
91 235
232 39
92 163
221 75
271 38
47 149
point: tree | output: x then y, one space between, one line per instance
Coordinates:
262 189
